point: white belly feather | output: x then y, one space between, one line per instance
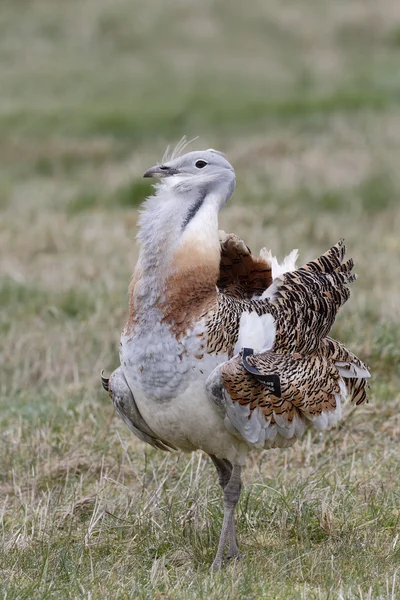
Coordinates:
168 384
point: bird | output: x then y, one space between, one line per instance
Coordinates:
225 351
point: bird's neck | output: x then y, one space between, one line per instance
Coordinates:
178 267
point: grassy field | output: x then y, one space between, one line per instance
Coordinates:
304 97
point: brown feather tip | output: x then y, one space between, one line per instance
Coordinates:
104 381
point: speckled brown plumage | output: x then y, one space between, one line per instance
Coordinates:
304 305
336 351
308 384
242 274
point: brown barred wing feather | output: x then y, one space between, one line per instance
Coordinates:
305 302
353 371
311 392
242 274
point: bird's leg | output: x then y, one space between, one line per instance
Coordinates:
224 470
231 498
233 548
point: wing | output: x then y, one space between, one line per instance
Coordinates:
304 304
269 399
353 371
125 406
298 375
242 274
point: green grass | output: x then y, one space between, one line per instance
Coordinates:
304 99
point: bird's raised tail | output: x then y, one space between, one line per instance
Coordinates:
286 373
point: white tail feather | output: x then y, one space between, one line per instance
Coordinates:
352 371
287 265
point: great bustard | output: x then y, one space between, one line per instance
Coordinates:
225 351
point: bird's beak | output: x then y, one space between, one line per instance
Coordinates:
160 171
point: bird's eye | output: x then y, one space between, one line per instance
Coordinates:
200 164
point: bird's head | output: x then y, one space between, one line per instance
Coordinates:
180 222
205 172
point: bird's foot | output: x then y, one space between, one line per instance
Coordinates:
233 547
216 565
232 556
236 556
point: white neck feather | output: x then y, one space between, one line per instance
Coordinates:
168 244
202 229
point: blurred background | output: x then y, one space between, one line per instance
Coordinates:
303 96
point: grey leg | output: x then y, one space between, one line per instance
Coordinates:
224 469
231 497
233 548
